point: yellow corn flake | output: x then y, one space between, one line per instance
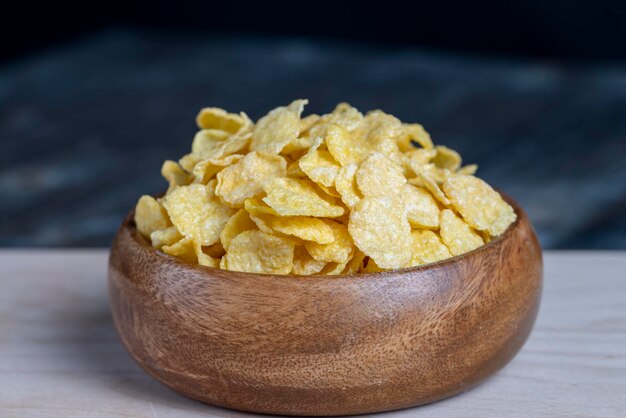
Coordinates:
422 209
432 186
213 143
304 264
205 170
257 207
378 176
150 216
345 184
447 158
415 132
247 177
167 236
427 248
342 147
294 170
456 234
468 170
415 160
299 197
197 213
338 250
219 119
258 252
344 116
375 133
281 126
203 258
184 249
319 165
480 206
331 194
381 230
333 269
355 264
235 225
303 227
175 175
298 145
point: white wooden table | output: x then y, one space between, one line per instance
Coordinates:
60 355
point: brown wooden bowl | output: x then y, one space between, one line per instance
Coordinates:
321 345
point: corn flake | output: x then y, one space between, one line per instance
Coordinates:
299 197
382 231
427 248
456 234
481 207
281 126
197 213
338 250
258 252
345 184
319 165
422 209
378 176
247 177
150 216
235 225
219 119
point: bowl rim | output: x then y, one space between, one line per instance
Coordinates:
129 224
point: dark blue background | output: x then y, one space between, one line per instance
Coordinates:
92 103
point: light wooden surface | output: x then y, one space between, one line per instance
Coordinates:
60 356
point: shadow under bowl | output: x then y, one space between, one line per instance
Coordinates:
326 345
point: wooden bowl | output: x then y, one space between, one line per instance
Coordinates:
326 345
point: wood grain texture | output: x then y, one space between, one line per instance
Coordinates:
326 345
60 354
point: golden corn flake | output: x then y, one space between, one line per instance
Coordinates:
319 165
299 197
457 235
481 207
337 250
304 227
447 158
219 119
341 193
184 249
378 176
257 207
197 213
150 216
422 209
205 170
428 248
345 116
382 231
429 182
278 128
468 170
235 225
345 184
167 236
416 132
304 264
258 252
205 259
212 143
247 177
175 175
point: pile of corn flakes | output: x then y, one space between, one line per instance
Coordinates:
341 193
